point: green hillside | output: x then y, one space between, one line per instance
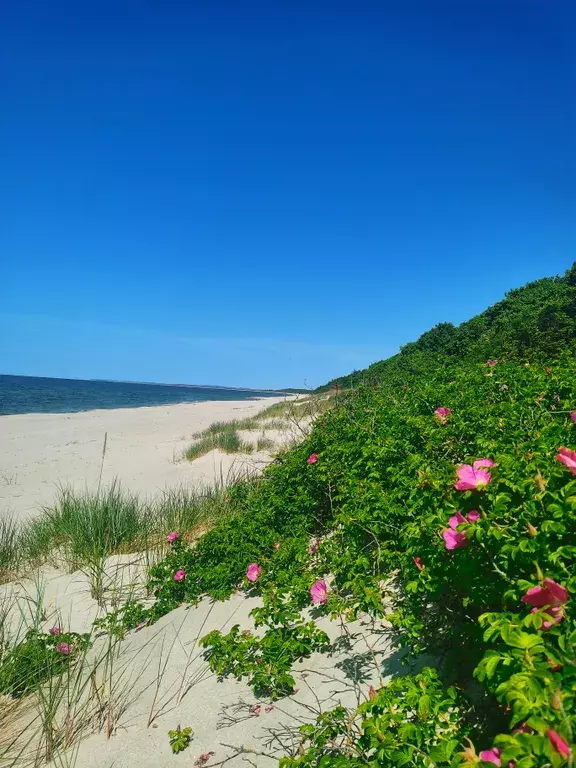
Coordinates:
535 322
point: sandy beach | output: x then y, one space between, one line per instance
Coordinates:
144 450
159 679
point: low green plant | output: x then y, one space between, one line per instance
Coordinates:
25 666
180 739
266 660
414 720
128 616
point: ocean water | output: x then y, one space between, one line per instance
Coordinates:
30 394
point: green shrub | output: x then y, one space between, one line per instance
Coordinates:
412 721
39 656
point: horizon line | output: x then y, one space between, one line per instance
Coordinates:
150 383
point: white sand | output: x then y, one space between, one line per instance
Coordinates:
144 450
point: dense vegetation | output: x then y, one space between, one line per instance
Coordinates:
536 322
441 500
451 489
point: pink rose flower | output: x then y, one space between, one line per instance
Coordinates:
471 477
276 545
313 458
491 363
63 648
319 591
568 458
558 743
551 594
180 575
454 539
442 414
418 563
573 415
257 709
55 631
173 536
253 572
551 597
491 756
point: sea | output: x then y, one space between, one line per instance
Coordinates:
31 394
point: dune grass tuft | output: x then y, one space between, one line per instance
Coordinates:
82 528
265 444
88 523
225 439
10 555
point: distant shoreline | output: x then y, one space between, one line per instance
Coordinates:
42 394
288 390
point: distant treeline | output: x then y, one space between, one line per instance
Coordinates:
535 322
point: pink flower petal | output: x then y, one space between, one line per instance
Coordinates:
491 756
319 591
551 594
456 520
471 477
180 575
253 572
568 458
63 648
454 539
558 743
558 593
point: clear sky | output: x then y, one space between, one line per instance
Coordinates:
271 193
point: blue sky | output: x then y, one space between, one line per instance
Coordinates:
272 193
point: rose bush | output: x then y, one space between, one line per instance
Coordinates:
466 524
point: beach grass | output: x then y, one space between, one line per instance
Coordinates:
88 523
226 439
82 528
265 444
218 427
9 544
291 414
